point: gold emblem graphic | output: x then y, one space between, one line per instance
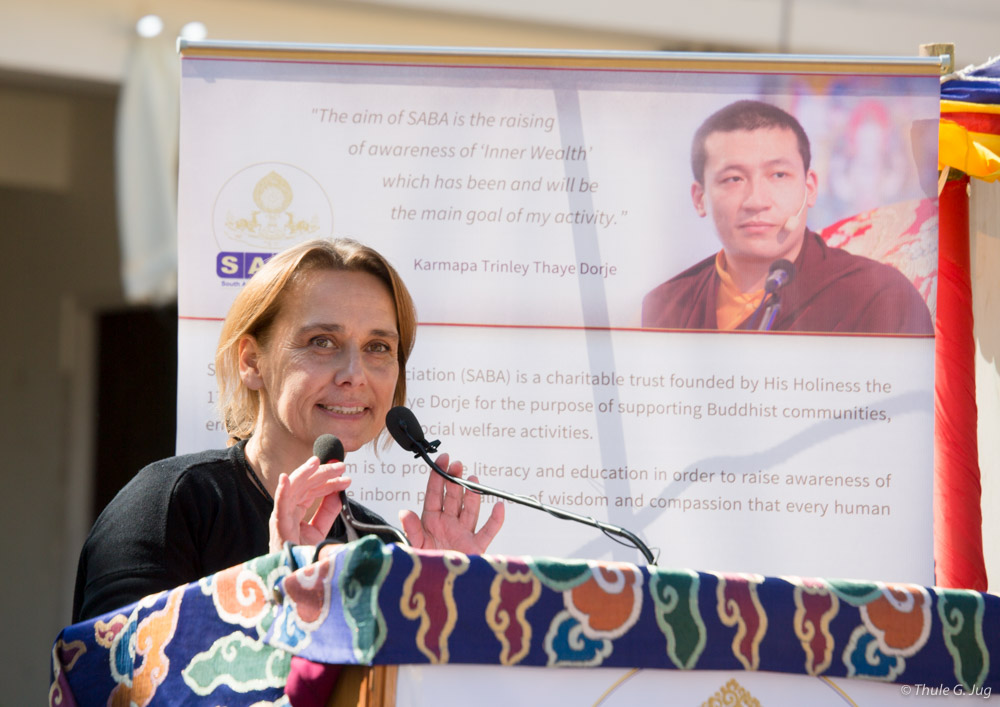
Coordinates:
272 222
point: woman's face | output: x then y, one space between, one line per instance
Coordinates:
330 363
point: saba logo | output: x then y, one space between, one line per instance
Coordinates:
239 266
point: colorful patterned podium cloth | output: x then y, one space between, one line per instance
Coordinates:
229 638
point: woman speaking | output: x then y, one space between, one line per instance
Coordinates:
315 343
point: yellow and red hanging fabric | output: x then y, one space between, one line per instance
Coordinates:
969 135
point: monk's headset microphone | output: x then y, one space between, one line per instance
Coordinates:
793 222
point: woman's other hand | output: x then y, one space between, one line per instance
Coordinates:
450 516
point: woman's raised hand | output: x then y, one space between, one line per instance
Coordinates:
306 503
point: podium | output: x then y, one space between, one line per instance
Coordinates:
523 623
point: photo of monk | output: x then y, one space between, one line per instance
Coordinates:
753 181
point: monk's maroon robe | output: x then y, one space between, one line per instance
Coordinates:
832 291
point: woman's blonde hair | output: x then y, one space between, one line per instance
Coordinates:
258 304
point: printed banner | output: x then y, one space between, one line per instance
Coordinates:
578 256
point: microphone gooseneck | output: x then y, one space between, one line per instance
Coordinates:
330 449
404 428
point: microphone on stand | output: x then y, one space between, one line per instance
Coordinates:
404 428
330 449
779 275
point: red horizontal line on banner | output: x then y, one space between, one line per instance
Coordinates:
674 331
